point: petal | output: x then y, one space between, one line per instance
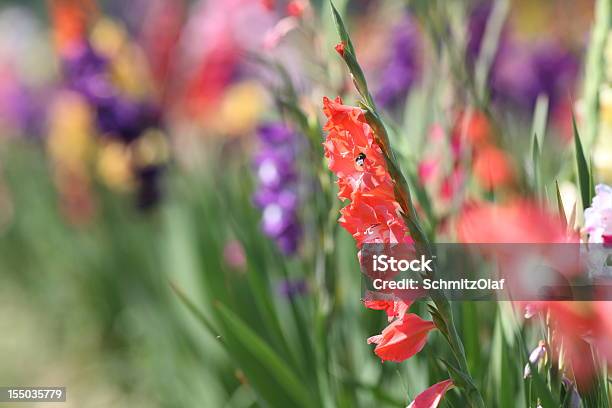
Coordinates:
403 338
395 309
375 339
431 397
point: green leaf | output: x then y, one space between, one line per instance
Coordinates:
572 219
350 58
560 206
541 389
594 68
342 33
535 162
462 381
194 309
591 179
540 117
584 177
264 368
422 196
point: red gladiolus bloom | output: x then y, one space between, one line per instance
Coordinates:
70 20
475 126
515 222
354 156
402 339
431 397
372 216
580 326
492 168
352 153
268 4
296 8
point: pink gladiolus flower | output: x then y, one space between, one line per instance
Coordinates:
275 35
515 222
234 256
431 397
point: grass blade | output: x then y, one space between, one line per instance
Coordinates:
560 206
262 365
582 167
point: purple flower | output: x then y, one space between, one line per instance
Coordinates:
125 118
291 288
22 107
117 115
521 70
403 64
276 195
86 72
477 25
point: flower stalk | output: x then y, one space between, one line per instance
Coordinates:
441 312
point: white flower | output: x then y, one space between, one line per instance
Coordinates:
598 217
535 357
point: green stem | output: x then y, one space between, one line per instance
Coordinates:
594 71
403 197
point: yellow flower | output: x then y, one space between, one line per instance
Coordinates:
114 166
151 148
128 64
108 37
240 109
71 132
602 158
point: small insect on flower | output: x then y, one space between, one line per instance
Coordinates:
360 159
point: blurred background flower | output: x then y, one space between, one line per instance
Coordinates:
277 194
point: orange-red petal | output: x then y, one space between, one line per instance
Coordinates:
402 339
431 397
395 309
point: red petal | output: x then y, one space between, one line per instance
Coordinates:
431 397
393 308
295 8
402 339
